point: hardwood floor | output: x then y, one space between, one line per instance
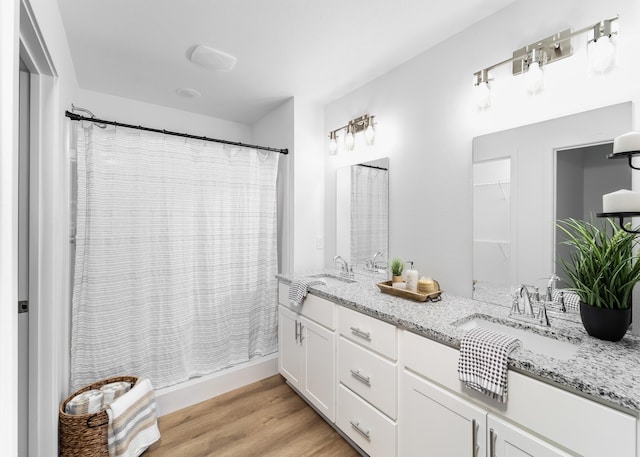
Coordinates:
264 419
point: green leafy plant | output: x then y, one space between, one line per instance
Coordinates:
602 269
397 266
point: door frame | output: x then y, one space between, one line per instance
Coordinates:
47 377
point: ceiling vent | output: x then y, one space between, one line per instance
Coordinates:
212 59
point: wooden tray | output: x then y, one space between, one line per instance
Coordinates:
387 288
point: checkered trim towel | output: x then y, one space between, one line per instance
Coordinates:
299 288
571 298
482 365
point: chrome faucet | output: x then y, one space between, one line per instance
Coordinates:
551 286
371 263
344 267
524 297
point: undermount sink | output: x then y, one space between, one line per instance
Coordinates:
333 280
534 342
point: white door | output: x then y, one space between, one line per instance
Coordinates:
289 346
507 440
23 265
319 345
434 422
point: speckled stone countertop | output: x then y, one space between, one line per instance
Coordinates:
600 370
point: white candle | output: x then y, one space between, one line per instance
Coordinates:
626 143
621 201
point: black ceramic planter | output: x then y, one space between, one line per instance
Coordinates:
603 323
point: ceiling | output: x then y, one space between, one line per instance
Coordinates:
321 49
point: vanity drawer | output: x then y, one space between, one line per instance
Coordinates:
369 332
374 432
315 308
372 377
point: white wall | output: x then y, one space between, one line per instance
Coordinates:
8 229
128 111
276 130
427 121
308 191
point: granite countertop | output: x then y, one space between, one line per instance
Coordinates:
600 370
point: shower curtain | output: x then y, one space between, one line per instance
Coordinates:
176 256
369 213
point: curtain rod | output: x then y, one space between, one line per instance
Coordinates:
77 117
371 166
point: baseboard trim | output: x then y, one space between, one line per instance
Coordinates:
170 399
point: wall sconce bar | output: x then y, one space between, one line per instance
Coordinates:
363 123
548 50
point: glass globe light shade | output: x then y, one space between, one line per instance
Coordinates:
482 95
369 135
333 146
534 78
601 54
349 141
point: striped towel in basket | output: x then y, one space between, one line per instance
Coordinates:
133 425
299 288
482 365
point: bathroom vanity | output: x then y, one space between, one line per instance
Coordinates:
383 370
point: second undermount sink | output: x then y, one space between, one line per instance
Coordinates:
534 342
333 280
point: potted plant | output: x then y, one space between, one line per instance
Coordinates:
602 270
396 266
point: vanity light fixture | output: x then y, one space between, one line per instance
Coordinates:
531 60
364 123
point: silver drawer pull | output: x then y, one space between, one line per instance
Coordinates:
356 426
492 439
361 333
474 439
360 377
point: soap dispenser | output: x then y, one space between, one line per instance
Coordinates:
411 277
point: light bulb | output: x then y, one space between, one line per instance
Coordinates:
601 54
534 78
333 146
349 140
482 94
369 134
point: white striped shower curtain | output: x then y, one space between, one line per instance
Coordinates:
176 256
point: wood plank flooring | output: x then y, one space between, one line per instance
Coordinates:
264 419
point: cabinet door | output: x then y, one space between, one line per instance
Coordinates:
319 345
289 346
433 421
507 440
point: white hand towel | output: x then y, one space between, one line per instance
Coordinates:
87 402
482 365
114 390
133 425
299 288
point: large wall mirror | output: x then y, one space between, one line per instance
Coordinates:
362 213
527 178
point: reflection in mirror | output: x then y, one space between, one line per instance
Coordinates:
491 223
583 176
362 214
527 178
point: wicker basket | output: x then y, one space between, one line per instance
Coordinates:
86 434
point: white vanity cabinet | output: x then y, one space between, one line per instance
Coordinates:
368 382
436 422
568 422
307 348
